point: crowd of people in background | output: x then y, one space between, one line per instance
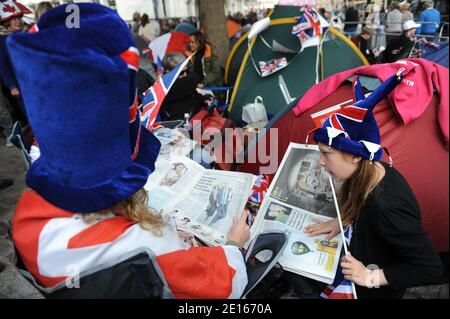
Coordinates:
392 35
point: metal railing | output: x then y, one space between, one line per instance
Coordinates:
379 37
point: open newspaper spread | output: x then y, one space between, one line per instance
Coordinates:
299 195
202 201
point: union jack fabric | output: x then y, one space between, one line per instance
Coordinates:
132 59
358 93
259 189
271 66
341 288
155 95
352 112
169 42
341 109
308 26
52 241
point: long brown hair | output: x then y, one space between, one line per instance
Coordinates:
135 208
354 191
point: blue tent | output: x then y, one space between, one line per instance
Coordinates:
438 55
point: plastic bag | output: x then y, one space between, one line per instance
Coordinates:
254 112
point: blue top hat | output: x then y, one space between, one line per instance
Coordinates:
78 85
353 129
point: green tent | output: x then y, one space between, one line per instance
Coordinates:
305 68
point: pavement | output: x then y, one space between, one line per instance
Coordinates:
14 285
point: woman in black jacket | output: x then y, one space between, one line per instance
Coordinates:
389 249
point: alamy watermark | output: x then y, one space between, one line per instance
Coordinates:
237 146
73 17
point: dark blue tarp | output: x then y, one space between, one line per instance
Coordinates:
438 55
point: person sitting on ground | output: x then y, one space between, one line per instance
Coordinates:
403 45
183 96
86 204
377 205
10 23
362 42
204 61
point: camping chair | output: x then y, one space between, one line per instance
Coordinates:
21 138
133 275
136 274
261 257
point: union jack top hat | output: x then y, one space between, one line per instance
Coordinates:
353 129
79 90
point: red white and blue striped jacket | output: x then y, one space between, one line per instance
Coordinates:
51 240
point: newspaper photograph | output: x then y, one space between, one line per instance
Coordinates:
303 183
300 195
174 142
215 199
312 257
172 179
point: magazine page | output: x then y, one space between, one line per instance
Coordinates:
299 195
174 142
215 199
171 181
312 257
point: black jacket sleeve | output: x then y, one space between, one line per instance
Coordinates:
400 226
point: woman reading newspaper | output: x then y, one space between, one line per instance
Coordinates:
389 249
86 206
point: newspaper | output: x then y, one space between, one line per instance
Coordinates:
299 195
202 201
174 142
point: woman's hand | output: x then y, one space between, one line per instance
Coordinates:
239 231
355 271
320 227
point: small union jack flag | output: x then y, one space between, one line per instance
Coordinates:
341 288
155 95
358 93
259 189
271 66
308 26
